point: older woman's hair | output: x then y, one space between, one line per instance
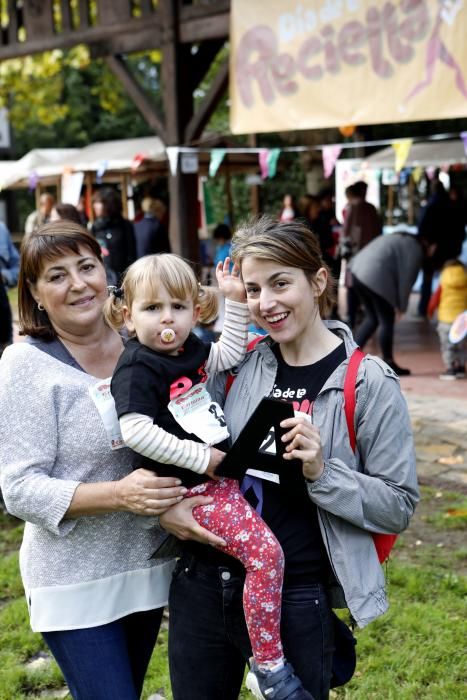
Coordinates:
49 242
152 272
288 243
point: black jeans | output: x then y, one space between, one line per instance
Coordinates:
378 312
208 638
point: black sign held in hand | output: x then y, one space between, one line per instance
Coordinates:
245 452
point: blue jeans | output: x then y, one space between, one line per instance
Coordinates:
109 661
208 638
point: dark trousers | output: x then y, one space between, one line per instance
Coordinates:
378 314
208 638
425 289
109 661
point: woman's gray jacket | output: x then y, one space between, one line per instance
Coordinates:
374 490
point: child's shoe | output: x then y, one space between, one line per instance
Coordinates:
449 375
276 685
460 371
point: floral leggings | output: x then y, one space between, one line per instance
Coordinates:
249 540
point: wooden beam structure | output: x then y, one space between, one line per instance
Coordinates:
189 36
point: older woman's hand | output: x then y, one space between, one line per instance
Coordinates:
144 493
304 443
180 522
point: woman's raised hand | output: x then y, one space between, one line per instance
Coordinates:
179 521
304 443
229 281
144 493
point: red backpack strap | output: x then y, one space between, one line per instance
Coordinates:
349 393
383 542
230 377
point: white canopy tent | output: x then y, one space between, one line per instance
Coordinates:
422 154
18 173
108 156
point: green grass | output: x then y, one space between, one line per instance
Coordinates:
414 652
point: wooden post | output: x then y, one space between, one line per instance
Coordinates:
123 185
254 198
89 207
178 107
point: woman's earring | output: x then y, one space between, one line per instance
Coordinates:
40 307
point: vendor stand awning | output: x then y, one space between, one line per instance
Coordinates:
18 173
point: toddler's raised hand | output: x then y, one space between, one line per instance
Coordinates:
229 281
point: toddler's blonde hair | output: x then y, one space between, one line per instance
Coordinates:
150 273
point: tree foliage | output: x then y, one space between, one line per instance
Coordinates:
65 99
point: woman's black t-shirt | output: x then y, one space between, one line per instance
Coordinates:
293 521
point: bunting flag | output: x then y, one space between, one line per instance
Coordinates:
217 156
172 155
263 163
330 155
102 167
137 160
268 158
33 179
402 149
464 140
273 157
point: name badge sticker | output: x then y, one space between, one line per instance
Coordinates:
198 414
105 404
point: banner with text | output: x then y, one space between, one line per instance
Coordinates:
323 63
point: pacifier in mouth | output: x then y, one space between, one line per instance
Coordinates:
167 335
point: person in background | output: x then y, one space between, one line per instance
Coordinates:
93 591
383 273
442 222
361 225
222 237
150 234
66 212
114 233
81 207
289 208
42 215
9 268
450 298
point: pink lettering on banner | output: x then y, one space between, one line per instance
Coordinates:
179 386
384 40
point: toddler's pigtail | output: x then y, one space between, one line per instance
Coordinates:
113 309
209 303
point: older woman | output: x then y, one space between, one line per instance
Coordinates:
342 497
92 589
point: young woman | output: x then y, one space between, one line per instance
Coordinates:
326 527
167 416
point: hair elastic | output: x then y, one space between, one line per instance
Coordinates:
116 291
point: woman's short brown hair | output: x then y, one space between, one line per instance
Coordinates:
50 241
288 243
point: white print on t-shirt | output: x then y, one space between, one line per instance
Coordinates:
295 397
269 445
105 404
197 413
